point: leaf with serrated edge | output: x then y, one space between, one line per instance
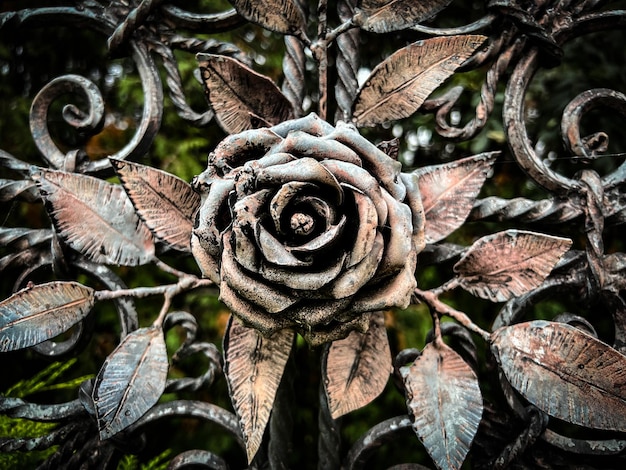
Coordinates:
39 313
445 402
95 218
564 372
166 203
398 86
131 380
357 368
285 17
508 264
254 366
384 16
228 84
448 192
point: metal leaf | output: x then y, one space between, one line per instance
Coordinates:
383 16
445 402
254 366
398 86
448 192
357 368
508 264
166 203
95 218
285 17
241 98
565 372
41 312
131 380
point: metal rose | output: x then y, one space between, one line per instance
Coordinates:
307 226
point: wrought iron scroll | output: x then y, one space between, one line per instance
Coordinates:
320 234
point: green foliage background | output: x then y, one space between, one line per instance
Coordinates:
31 57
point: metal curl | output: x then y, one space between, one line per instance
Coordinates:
577 321
193 409
135 18
211 46
96 17
90 121
365 446
514 109
212 22
197 458
536 425
443 105
150 120
591 147
189 347
477 25
176 92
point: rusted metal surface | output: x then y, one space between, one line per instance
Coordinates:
305 226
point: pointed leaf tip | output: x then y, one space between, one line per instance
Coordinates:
445 402
39 313
254 366
285 17
449 190
228 83
95 218
131 380
564 372
510 263
399 85
386 16
357 368
166 203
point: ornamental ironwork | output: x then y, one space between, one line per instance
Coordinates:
317 225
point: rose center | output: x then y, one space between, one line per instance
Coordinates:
302 224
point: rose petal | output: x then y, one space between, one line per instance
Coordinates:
266 296
246 213
236 149
322 208
395 293
251 315
245 250
414 201
316 313
350 281
274 159
311 124
400 239
324 240
283 197
274 251
302 280
208 264
305 145
363 181
335 331
366 233
213 208
304 169
377 162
